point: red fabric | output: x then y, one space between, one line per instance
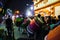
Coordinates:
33 25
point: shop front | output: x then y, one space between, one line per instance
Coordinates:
49 10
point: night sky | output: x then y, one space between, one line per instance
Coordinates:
17 4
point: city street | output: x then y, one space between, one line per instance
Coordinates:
17 34
29 19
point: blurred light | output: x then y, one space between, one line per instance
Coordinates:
36 14
27 4
17 12
28 13
31 8
21 16
48 9
17 16
51 15
0 9
9 12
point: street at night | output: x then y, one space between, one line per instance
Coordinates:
29 19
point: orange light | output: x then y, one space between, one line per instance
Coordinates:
17 11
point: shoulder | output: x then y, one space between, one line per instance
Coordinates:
54 34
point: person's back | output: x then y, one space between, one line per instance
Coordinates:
19 21
9 26
33 25
8 22
54 34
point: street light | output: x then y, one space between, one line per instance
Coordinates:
31 7
28 13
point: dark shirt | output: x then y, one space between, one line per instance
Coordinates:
8 22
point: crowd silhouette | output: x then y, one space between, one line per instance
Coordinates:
35 26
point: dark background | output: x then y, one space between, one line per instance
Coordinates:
16 4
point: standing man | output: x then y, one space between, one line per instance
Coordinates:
9 25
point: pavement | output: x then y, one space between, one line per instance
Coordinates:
17 34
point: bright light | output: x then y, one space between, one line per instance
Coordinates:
17 11
31 7
36 14
27 4
28 13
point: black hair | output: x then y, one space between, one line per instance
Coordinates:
8 15
59 16
38 15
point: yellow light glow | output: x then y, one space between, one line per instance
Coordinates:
17 11
42 4
36 14
0 9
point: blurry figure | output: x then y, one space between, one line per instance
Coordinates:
43 19
58 23
25 24
35 27
59 18
54 25
9 25
40 21
0 20
48 20
53 34
13 19
44 28
53 20
32 27
18 22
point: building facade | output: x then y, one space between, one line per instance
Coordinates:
47 7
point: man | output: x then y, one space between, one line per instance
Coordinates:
9 25
18 22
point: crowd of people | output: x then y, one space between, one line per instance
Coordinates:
37 26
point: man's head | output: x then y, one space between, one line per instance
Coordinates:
59 16
38 15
